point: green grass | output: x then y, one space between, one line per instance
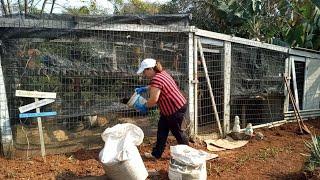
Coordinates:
314 157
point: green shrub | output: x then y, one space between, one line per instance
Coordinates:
314 158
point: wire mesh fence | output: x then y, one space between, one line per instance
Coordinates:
92 70
257 88
311 93
91 63
214 59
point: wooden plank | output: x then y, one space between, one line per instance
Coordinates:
43 149
226 90
234 39
5 127
192 107
210 88
303 53
36 94
35 105
54 24
287 74
211 41
194 75
216 51
305 80
40 114
294 83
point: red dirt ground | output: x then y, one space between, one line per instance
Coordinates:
277 156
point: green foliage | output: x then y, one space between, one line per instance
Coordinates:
139 7
304 26
34 10
117 5
78 11
289 23
91 9
134 7
44 83
154 116
270 152
314 147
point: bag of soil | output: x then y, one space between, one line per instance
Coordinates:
120 156
187 163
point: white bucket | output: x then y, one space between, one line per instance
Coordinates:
136 98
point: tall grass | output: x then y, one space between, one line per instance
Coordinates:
314 158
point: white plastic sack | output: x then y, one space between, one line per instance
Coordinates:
180 171
120 140
187 163
188 155
120 156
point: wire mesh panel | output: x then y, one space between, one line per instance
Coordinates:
312 94
92 70
214 59
256 84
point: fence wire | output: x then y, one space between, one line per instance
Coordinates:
257 88
91 64
214 59
93 72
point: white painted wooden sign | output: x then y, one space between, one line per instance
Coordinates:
35 94
48 98
35 105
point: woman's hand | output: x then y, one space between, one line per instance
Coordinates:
141 108
141 90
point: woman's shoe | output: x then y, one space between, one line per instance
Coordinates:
149 156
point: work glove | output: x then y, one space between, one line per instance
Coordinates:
141 107
141 90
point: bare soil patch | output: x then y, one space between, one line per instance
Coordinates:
277 156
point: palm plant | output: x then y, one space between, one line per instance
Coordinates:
314 158
284 22
304 26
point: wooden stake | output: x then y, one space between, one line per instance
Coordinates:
302 126
294 83
43 150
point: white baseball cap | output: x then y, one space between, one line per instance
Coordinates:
146 63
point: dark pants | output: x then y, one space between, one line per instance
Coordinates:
170 123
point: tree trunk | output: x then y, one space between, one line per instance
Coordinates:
9 8
31 3
19 3
43 5
25 6
53 1
4 7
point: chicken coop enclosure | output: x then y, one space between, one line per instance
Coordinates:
65 79
90 63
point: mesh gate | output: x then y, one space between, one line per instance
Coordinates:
256 85
214 59
93 72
